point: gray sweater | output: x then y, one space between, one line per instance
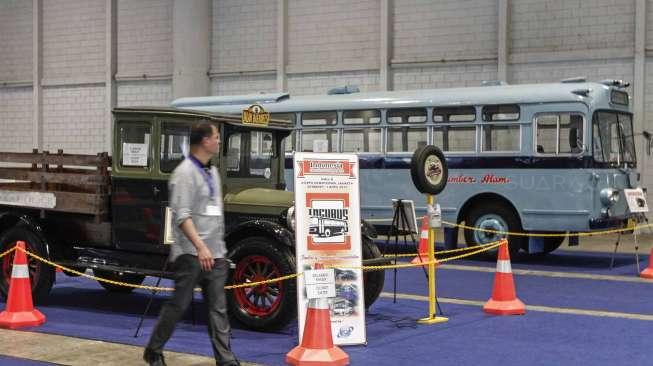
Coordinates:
190 197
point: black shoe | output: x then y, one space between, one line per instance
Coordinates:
153 358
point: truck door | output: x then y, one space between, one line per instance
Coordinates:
137 213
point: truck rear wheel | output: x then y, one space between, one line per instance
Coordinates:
41 275
131 278
268 306
372 280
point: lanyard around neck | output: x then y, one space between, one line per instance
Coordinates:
206 174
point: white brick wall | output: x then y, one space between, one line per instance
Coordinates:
320 83
16 119
333 35
244 35
447 76
444 29
571 25
234 85
73 119
73 41
15 41
593 70
144 37
144 93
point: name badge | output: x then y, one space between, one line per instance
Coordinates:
213 211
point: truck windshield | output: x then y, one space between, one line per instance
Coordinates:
613 138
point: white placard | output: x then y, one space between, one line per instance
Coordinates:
134 154
321 291
321 146
327 209
28 199
320 276
168 237
636 200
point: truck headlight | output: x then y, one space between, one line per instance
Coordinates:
609 196
290 218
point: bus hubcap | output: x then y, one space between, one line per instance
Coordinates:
490 222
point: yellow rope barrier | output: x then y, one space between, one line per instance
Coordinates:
7 252
589 233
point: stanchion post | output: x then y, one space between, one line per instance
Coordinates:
432 318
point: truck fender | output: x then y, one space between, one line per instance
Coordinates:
261 227
9 220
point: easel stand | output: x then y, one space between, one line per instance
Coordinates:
640 218
399 227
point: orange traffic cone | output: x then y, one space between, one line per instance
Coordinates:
317 342
648 272
20 311
423 246
504 300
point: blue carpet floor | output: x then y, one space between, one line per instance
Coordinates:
79 307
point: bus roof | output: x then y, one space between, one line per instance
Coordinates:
217 117
573 91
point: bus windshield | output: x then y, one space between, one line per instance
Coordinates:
613 138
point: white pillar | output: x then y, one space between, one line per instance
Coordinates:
639 84
503 23
385 47
191 43
282 45
111 60
37 74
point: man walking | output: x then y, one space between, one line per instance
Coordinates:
198 253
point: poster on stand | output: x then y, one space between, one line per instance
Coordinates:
327 209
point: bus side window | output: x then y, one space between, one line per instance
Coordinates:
320 140
559 134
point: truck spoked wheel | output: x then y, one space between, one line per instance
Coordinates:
267 306
41 275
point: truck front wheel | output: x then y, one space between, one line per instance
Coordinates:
41 275
267 306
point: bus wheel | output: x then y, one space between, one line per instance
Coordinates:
551 243
267 306
41 275
372 280
327 233
489 216
131 278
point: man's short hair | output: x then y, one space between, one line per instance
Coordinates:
199 131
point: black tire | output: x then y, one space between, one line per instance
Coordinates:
265 307
551 243
41 274
327 233
429 158
497 216
131 278
372 280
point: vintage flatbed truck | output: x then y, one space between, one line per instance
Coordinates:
110 214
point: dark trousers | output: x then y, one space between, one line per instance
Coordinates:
188 274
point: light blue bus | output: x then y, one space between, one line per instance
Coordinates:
549 158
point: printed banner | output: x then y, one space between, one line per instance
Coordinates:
327 203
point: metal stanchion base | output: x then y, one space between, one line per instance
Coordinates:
433 320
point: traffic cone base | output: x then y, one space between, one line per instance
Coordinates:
317 357
504 299
20 310
648 272
512 307
21 319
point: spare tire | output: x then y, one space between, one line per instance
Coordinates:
428 169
